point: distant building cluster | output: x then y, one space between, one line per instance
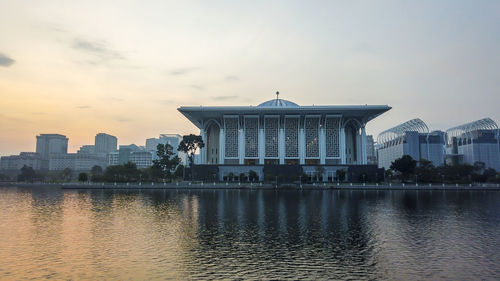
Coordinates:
52 153
470 143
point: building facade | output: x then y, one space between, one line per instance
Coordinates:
142 159
477 141
88 149
48 144
280 132
105 143
370 151
410 138
16 162
80 162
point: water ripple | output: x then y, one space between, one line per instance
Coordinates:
248 235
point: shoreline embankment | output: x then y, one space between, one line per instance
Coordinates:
235 185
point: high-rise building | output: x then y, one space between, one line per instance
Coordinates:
105 143
371 154
48 144
86 149
125 151
152 143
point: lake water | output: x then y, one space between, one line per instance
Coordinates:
248 234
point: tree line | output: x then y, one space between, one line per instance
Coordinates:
407 169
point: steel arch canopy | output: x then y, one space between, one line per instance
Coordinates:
414 125
482 124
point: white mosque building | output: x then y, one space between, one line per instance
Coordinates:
281 132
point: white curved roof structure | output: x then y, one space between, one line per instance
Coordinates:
363 113
482 124
414 125
278 103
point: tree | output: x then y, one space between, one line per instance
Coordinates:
404 165
459 173
27 174
166 162
253 176
179 171
189 145
83 177
96 170
67 173
318 172
127 172
340 175
426 172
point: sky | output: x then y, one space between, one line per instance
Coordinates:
124 67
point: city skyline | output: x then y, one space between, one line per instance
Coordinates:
66 68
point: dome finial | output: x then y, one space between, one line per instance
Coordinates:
277 95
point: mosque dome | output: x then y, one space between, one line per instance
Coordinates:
277 102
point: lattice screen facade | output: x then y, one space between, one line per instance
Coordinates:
312 137
271 126
292 137
251 137
332 132
231 140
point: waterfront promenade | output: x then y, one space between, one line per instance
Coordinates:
246 185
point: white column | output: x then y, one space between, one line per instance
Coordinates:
281 145
358 148
302 147
222 145
262 146
203 151
364 159
322 145
343 156
241 146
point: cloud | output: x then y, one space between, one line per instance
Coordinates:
219 98
97 49
230 78
197 87
5 60
84 106
182 71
